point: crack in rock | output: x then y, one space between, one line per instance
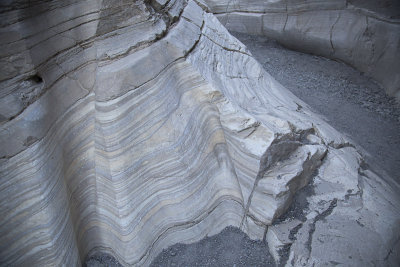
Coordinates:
284 251
317 218
280 149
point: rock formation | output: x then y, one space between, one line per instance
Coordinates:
129 126
364 34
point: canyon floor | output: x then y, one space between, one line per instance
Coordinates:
351 102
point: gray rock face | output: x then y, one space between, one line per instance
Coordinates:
364 34
129 126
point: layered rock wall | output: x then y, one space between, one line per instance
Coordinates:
131 126
362 34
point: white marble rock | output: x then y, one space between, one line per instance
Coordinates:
144 124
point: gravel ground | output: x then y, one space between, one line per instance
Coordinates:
231 247
102 260
351 102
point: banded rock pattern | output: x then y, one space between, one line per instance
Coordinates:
131 126
364 34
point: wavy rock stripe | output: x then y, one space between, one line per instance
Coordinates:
161 129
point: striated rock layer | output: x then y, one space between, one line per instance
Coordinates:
129 126
364 34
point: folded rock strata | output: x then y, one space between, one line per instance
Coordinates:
364 34
130 126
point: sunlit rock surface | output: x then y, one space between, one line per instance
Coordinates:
362 33
127 127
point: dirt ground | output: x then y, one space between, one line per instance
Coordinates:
351 102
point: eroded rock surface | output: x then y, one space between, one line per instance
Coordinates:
364 34
350 101
133 126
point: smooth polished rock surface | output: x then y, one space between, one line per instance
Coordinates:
128 127
364 34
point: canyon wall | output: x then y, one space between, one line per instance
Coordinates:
129 126
364 34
